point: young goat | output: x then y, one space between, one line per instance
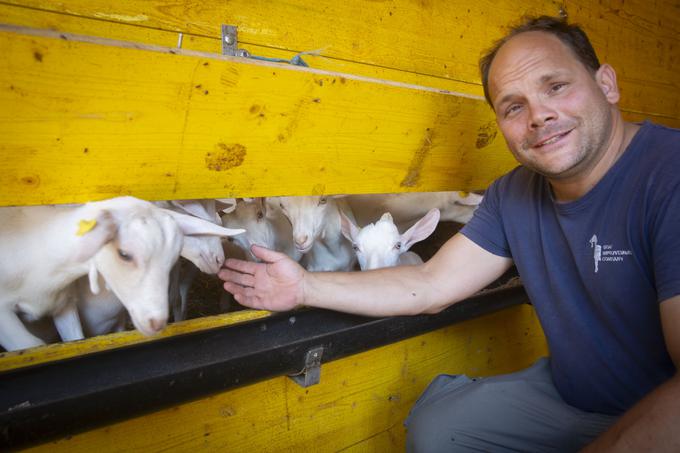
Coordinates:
264 226
316 231
44 249
379 244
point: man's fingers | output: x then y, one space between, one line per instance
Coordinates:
265 254
236 277
241 266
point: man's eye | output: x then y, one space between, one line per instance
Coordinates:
514 108
557 87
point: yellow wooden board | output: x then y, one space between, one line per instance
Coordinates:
438 38
359 405
86 121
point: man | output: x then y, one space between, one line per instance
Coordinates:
591 220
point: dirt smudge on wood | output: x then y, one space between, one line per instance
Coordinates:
225 156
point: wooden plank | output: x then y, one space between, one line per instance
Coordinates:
60 351
358 400
85 121
28 17
436 38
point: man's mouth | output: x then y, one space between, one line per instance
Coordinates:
554 139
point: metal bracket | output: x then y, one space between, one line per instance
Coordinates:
230 42
311 373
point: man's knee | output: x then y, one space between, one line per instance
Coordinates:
448 423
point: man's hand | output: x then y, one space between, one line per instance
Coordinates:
275 284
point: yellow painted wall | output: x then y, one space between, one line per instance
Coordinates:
78 113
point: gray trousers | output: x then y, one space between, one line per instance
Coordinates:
518 412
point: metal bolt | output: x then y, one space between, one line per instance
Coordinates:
229 39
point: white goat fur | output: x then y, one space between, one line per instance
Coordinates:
264 226
380 245
316 231
406 208
103 313
44 249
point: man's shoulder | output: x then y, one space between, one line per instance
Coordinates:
660 138
659 150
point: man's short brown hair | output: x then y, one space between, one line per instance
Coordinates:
570 34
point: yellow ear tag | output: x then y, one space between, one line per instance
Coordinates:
462 194
85 226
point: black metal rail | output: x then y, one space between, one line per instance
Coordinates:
54 400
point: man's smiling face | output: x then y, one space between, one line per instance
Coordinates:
553 112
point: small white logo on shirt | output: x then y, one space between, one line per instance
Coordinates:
606 253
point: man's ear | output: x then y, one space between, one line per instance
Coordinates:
606 79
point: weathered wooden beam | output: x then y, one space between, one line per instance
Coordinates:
89 118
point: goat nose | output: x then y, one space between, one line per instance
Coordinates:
300 240
157 324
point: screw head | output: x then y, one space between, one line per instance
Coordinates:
229 39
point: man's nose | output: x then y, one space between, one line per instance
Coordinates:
541 114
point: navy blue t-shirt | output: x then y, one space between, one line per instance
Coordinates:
597 268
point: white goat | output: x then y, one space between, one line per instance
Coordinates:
266 227
130 242
406 208
205 252
316 231
379 244
103 313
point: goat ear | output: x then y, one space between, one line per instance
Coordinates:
348 228
421 230
94 234
192 226
195 208
225 205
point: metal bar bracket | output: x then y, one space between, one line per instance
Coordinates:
311 373
230 42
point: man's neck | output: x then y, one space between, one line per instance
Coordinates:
574 188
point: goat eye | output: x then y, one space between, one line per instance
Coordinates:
260 215
322 200
397 246
355 247
281 206
124 255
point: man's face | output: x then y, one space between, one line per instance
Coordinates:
553 113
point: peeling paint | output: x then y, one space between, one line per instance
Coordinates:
225 157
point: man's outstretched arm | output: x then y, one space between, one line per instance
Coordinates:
458 270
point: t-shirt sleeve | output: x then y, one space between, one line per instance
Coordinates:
486 226
665 237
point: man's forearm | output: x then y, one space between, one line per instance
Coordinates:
393 291
650 425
